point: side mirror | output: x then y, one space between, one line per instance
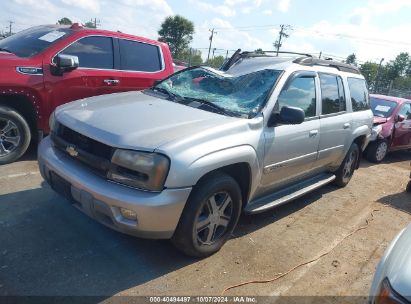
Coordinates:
287 116
400 118
67 62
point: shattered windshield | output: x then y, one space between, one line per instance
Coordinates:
244 94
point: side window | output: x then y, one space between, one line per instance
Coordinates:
359 94
93 52
138 56
301 94
405 111
332 93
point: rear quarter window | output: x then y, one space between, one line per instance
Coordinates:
359 94
138 56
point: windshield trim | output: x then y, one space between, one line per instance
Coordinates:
223 73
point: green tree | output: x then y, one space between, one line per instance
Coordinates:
351 59
190 56
177 32
65 21
216 62
400 65
369 70
90 24
259 51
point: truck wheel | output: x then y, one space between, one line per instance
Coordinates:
15 135
209 217
377 150
408 189
347 168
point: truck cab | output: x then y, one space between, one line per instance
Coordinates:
46 66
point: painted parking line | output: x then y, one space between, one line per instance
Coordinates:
19 174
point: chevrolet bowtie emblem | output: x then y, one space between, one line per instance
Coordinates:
71 149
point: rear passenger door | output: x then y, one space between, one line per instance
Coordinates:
335 121
141 64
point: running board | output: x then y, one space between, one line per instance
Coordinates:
288 194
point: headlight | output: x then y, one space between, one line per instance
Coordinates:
376 130
52 121
386 295
142 170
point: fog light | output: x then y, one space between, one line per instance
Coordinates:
128 214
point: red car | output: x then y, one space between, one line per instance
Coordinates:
46 66
392 126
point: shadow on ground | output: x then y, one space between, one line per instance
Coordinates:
50 248
400 201
399 157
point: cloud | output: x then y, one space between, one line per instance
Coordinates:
267 12
90 5
223 10
283 5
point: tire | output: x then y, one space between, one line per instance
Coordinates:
408 189
348 166
15 135
377 150
209 238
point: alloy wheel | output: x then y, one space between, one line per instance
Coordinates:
381 151
214 218
349 165
9 136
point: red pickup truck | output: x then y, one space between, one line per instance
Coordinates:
46 66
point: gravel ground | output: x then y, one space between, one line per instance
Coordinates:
48 247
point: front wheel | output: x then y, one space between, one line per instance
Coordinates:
347 168
210 216
377 150
15 135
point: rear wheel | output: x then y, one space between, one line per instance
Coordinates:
209 217
15 135
347 168
377 150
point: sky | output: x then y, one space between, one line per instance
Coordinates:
372 29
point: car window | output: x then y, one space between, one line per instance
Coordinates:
92 52
138 56
301 94
34 40
332 94
405 111
359 94
381 107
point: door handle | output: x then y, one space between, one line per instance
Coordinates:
346 126
313 133
111 81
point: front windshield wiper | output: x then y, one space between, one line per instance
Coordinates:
166 92
5 50
213 106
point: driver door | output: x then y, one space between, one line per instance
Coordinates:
402 133
291 150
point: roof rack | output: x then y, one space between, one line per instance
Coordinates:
344 67
306 59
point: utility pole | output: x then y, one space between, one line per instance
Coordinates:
283 33
213 53
213 32
378 74
321 52
10 24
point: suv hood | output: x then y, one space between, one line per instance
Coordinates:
133 120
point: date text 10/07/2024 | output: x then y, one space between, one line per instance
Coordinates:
201 299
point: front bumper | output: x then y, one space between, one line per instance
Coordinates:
157 213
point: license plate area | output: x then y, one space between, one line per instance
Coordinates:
60 185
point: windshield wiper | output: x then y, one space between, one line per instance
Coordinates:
5 50
213 106
166 92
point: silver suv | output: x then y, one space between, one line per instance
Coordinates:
183 159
